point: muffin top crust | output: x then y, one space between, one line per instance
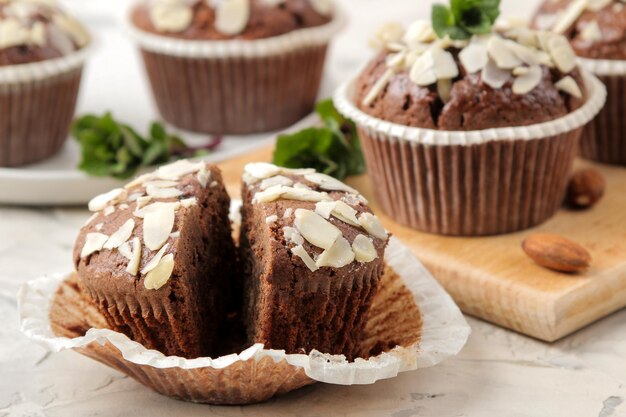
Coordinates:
320 221
230 19
37 30
513 76
596 28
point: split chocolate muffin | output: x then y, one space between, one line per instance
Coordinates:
596 30
470 137
158 259
234 66
42 51
313 257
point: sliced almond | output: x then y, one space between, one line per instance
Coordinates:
178 169
157 226
72 27
142 201
203 176
100 202
562 54
345 213
160 184
419 32
378 87
276 180
125 250
93 243
171 17
300 252
569 16
288 212
445 67
568 85
231 16
364 249
337 256
423 70
159 276
188 202
261 170
474 57
292 235
501 54
325 208
121 235
159 205
135 259
315 229
140 180
444 89
591 32
372 225
597 5
493 76
326 182
529 81
152 263
157 192
271 219
279 192
527 55
388 33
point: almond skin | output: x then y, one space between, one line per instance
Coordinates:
557 253
585 188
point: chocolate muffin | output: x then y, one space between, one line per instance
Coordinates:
234 66
313 257
158 259
469 137
597 32
41 60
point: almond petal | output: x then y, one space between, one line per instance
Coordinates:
159 276
135 259
157 227
364 249
372 225
338 255
121 235
315 229
93 243
152 263
306 258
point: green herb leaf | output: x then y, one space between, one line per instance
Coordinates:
464 18
110 148
333 149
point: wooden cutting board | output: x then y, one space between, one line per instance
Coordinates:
491 278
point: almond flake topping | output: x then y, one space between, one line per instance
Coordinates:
337 256
568 85
562 54
152 263
109 210
277 180
159 276
135 258
474 57
326 182
271 219
300 252
203 176
93 243
315 229
171 17
157 226
261 170
99 226
281 192
157 192
178 169
288 212
591 32
159 205
188 202
292 235
142 201
372 225
231 16
103 200
493 76
125 250
345 213
121 235
160 184
364 249
140 180
527 82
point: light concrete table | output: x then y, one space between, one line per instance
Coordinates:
498 374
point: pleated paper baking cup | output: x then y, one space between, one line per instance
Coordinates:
412 324
37 103
471 183
237 86
603 139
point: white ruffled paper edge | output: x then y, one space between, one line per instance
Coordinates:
604 67
343 99
300 38
444 332
36 71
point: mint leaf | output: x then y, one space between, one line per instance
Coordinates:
110 148
464 18
333 149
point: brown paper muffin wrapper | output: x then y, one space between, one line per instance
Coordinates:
412 324
236 86
603 139
37 103
471 183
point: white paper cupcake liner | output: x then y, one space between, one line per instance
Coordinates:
344 102
38 71
444 332
297 39
604 67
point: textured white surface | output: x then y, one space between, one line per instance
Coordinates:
498 374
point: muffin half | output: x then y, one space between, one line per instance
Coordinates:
158 259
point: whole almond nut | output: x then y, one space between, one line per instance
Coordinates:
557 253
586 188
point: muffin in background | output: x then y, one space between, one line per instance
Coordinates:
470 137
234 66
597 32
42 52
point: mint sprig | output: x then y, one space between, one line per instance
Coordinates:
333 149
111 148
464 18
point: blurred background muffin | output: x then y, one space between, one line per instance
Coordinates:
234 66
597 32
42 51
